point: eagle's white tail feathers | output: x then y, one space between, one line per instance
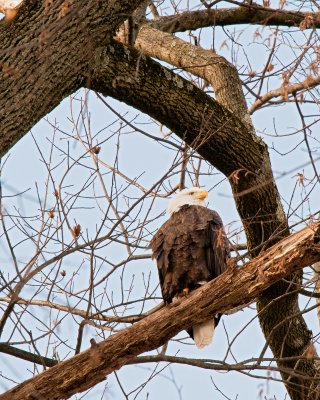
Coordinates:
203 333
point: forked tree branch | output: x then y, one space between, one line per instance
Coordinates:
237 286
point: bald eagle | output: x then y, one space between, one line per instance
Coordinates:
191 248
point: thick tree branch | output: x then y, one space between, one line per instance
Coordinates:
204 63
237 286
40 52
202 122
212 67
45 54
246 14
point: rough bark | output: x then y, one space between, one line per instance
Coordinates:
204 63
246 14
128 32
45 55
237 286
213 68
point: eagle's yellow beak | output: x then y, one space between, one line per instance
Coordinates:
201 195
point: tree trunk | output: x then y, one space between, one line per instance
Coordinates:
45 56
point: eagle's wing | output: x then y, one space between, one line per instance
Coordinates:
161 256
217 250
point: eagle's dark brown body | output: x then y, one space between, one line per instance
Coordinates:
191 248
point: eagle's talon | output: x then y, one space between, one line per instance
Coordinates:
185 291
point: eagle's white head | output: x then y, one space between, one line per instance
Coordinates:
191 196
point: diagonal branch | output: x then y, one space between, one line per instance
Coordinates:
204 63
237 286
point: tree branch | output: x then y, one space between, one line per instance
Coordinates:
284 91
43 61
209 65
25 355
246 14
202 122
204 63
76 311
237 286
216 365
